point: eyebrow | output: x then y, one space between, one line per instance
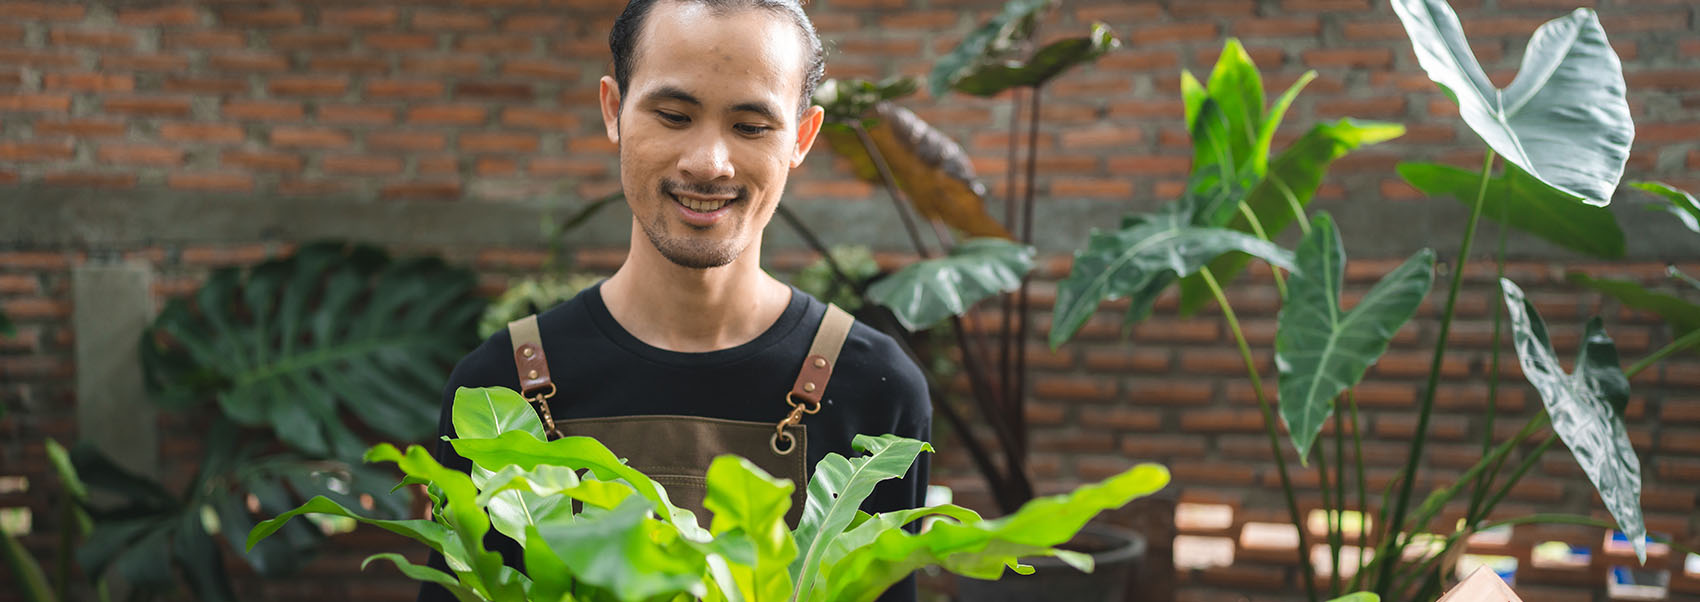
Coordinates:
679 94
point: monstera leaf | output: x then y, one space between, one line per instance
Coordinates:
291 343
926 292
837 489
1563 119
1286 188
1586 407
1322 350
1518 200
1683 316
990 43
930 168
1053 60
1139 260
1681 204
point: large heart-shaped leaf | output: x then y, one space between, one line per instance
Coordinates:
487 412
929 167
1679 203
292 342
1322 350
926 292
1683 316
1586 409
626 552
836 491
992 41
745 498
1525 204
966 545
1053 60
1146 254
1279 199
1563 119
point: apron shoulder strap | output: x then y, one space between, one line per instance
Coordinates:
823 355
535 384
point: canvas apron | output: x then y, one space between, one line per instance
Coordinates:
675 451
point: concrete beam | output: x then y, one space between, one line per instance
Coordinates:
112 305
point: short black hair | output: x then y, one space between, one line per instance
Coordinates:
623 39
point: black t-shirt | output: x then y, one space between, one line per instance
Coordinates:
603 371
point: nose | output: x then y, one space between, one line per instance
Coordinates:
707 158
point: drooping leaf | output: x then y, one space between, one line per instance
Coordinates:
29 579
1586 407
1527 205
836 491
1683 316
991 42
980 549
847 101
1322 350
1279 198
926 292
291 342
487 412
1563 120
1680 204
991 79
929 167
425 573
1144 256
742 497
626 552
478 568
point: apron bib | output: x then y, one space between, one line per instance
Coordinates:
675 451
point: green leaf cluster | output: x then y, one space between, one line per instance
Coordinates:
924 293
594 529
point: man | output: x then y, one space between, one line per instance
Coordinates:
710 107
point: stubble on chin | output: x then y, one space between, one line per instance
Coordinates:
691 252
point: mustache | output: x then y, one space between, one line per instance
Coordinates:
673 187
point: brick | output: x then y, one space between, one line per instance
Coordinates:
222 39
90 179
399 41
1213 8
534 23
1185 471
1149 164
45 11
1101 137
92 38
227 256
493 90
1073 388
394 88
88 82
304 85
371 165
360 114
443 64
1175 32
450 20
319 41
570 167
1170 392
1073 441
139 154
1140 361
33 58
20 284
36 150
1664 79
542 119
201 132
349 64
496 166
447 114
47 261
310 137
211 181
1121 418
495 43
1379 58
540 69
35 103
373 16
1162 447
1264 57
148 105
421 190
405 140
34 308
164 16
498 142
81 128
1325 6
207 85
262 110
1278 27
1092 187
1221 420
259 62
261 160
261 17
144 62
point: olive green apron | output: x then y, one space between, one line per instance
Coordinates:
675 451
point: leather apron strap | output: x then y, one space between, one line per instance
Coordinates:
533 367
813 376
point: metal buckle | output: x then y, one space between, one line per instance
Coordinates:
542 402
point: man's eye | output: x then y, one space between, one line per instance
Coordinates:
673 118
752 130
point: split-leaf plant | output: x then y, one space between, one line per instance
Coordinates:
274 363
593 529
926 172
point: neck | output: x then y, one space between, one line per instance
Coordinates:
693 310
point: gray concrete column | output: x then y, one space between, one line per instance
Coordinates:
112 303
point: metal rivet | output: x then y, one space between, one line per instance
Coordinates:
820 362
808 387
533 374
526 351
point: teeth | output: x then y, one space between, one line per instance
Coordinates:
701 206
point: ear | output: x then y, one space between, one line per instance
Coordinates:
807 129
609 94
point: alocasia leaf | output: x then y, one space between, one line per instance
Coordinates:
1236 87
1680 204
836 491
1586 407
1683 316
931 169
926 292
1526 205
1322 350
1563 120
992 78
744 498
991 41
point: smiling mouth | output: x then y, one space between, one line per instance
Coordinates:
704 206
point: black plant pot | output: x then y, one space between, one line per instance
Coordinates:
1116 552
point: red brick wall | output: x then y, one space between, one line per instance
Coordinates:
486 101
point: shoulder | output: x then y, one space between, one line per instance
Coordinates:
492 362
885 377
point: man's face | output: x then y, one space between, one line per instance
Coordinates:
708 128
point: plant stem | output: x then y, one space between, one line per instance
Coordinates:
1364 526
1427 407
1009 217
1307 572
815 243
1016 464
1340 494
898 199
1483 484
1257 230
1687 340
1018 392
1329 532
1516 475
